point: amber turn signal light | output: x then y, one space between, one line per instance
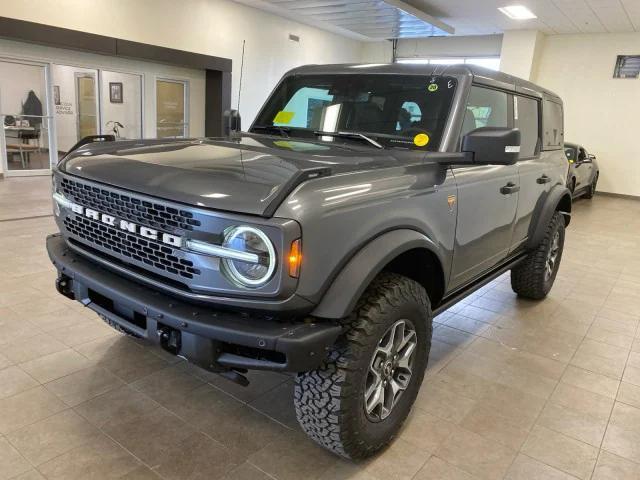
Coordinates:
295 258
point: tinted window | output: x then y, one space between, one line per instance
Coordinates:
525 115
485 108
392 109
552 125
570 152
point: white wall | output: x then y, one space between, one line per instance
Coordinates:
600 112
520 50
213 27
464 46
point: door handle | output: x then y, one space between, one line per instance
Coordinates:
543 179
509 188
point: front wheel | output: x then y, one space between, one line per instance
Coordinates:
356 402
534 277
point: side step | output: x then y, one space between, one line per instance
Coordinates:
465 291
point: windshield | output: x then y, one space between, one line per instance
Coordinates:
407 111
570 152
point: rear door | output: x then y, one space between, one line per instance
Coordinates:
487 195
533 168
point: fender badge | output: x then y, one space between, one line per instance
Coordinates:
451 200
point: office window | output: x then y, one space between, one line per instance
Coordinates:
488 62
526 118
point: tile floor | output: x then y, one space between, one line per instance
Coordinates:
514 389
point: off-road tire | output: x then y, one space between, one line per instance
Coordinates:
591 191
528 278
117 327
329 401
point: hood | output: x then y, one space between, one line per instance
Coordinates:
249 174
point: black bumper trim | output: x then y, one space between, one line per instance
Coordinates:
303 343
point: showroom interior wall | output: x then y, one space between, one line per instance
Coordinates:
149 70
213 27
600 112
464 46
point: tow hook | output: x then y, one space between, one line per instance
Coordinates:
170 339
64 286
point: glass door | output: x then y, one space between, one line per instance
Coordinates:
87 104
171 113
24 116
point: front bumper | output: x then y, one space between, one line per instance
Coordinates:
214 339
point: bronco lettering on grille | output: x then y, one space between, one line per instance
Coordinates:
127 226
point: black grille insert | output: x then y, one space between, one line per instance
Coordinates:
143 250
129 207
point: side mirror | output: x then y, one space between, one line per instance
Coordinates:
231 121
493 145
590 158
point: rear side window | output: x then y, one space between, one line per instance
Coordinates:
485 108
552 125
526 119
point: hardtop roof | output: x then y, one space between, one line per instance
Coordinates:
478 74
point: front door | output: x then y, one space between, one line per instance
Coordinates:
487 203
583 169
487 195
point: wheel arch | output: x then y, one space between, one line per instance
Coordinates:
405 252
559 199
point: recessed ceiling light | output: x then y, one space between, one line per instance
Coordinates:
518 12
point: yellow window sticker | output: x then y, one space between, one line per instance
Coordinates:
432 87
421 139
284 117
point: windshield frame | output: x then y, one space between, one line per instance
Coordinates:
392 141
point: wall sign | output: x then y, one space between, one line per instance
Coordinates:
627 66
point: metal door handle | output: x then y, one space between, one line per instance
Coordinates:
543 179
509 188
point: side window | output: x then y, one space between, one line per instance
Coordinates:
485 108
526 118
552 125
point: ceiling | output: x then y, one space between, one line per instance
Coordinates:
362 19
382 19
477 17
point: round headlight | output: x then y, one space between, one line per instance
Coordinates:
249 240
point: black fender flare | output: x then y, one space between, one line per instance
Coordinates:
558 199
349 285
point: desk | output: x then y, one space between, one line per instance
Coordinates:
13 128
22 148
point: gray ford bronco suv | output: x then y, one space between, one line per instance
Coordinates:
363 200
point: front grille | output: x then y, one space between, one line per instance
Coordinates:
143 250
128 207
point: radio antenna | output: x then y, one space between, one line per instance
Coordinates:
241 69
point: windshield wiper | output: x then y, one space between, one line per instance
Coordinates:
283 131
355 135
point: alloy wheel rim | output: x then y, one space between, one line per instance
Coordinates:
552 256
390 370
